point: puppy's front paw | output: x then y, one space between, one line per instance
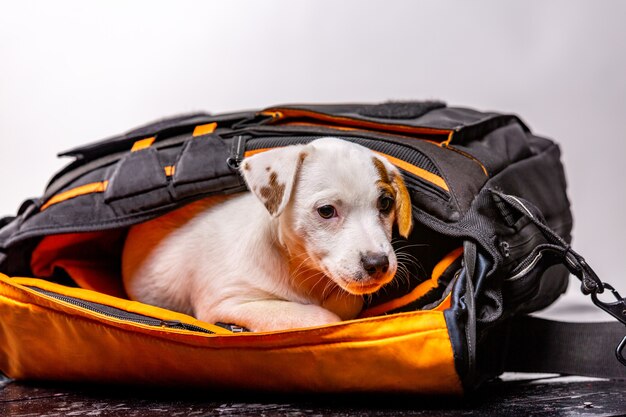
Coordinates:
271 315
317 316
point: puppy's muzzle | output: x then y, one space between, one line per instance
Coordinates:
375 265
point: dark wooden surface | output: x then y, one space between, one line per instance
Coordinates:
517 397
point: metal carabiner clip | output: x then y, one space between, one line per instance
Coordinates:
616 309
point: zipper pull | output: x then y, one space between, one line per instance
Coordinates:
237 152
171 323
505 249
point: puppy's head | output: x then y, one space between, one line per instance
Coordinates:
336 204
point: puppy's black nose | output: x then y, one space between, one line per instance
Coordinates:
375 263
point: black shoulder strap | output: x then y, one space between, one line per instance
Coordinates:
588 349
545 346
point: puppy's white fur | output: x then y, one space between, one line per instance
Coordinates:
267 259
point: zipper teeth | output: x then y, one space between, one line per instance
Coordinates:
394 149
121 314
525 267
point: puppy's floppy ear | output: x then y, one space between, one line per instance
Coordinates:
404 216
403 211
271 175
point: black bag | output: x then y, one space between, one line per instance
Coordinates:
480 181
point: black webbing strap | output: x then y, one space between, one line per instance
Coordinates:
545 346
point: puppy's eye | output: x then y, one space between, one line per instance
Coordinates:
326 212
385 204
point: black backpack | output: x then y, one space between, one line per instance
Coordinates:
490 209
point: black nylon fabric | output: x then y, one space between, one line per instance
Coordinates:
546 346
400 110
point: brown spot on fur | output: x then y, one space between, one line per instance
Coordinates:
404 216
386 188
273 193
383 175
301 159
394 184
246 166
267 169
383 183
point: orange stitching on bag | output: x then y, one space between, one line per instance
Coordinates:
142 144
170 170
204 129
422 173
94 187
279 115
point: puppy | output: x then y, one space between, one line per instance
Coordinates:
301 249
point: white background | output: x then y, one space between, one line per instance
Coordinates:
73 72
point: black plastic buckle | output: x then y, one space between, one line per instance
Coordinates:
590 282
618 310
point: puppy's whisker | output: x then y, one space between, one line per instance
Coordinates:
406 255
415 245
404 277
298 273
411 265
411 261
368 298
306 258
326 288
316 277
298 270
320 277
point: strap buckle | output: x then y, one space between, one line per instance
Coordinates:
590 282
618 310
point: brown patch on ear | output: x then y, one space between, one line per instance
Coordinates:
273 193
383 182
404 216
383 175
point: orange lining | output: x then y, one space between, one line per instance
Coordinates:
445 304
356 129
256 151
386 346
94 187
204 129
280 114
422 173
142 144
419 291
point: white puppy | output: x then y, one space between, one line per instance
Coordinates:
300 250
